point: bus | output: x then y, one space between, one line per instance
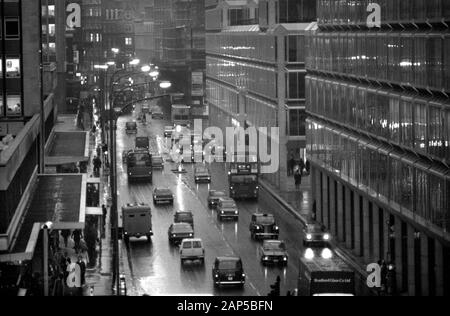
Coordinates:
243 179
181 115
136 221
323 273
139 165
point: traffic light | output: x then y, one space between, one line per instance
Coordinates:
275 288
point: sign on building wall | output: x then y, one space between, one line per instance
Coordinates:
74 16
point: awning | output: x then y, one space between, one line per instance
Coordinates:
60 199
67 148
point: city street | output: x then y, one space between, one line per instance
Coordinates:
156 267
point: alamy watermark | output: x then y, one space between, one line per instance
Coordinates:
374 18
259 144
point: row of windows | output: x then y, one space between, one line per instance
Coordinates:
388 176
297 122
413 59
258 79
295 11
222 97
351 12
253 46
260 113
419 124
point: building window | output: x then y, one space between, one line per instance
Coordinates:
14 105
2 110
12 28
51 10
51 29
295 49
128 41
297 121
12 67
296 85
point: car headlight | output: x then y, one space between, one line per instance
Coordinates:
222 212
326 237
243 275
190 235
309 236
266 258
236 212
285 258
276 228
216 276
327 254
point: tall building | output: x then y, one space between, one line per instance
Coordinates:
28 108
256 70
144 26
379 136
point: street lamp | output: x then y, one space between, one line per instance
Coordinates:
165 85
115 50
46 227
135 62
146 68
154 74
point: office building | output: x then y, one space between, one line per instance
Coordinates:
379 137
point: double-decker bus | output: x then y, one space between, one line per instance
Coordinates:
243 179
139 165
181 112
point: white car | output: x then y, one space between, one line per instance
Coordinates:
192 249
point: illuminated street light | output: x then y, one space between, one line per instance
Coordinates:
115 50
165 85
154 74
135 62
146 68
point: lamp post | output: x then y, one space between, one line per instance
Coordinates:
45 228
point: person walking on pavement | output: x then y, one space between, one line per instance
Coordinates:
104 213
97 165
307 166
291 166
301 166
82 266
298 179
77 239
65 234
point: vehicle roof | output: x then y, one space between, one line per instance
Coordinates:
185 226
273 242
215 192
162 190
226 199
263 215
184 212
137 208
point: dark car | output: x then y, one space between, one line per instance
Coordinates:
315 234
184 217
162 195
131 128
274 251
202 174
157 114
227 209
263 226
214 196
228 271
179 231
142 142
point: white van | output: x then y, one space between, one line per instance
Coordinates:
192 249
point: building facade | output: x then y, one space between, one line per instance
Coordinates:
379 137
256 72
28 108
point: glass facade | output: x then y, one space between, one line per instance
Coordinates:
250 46
351 12
253 77
412 121
296 11
404 182
10 60
410 59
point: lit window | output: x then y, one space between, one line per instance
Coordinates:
14 106
13 67
128 41
52 29
2 111
51 10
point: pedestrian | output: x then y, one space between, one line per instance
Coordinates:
82 265
307 166
55 239
301 166
65 234
97 165
291 166
298 179
77 235
104 213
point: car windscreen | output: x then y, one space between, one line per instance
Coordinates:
184 217
201 170
229 265
314 229
157 159
265 220
228 204
131 125
197 244
274 246
244 179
